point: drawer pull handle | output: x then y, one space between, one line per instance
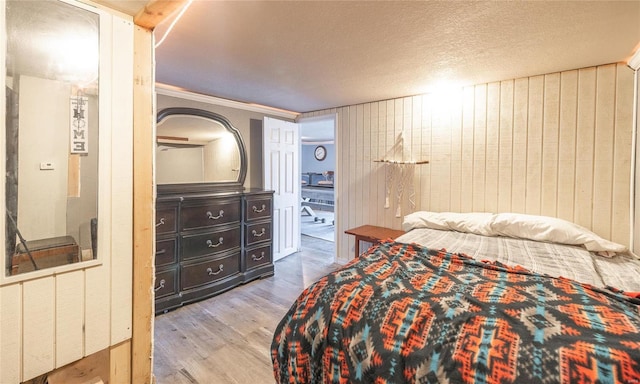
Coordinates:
161 252
210 271
256 234
159 286
256 210
255 258
161 222
210 215
211 245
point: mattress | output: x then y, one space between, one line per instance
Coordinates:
574 262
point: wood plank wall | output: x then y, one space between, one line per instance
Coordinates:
52 320
557 144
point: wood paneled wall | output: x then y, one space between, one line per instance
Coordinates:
49 320
557 145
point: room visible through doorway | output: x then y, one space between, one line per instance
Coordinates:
317 166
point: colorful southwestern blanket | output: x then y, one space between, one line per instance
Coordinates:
403 313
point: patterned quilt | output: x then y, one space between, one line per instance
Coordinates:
402 313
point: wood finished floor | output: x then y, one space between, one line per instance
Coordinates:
226 339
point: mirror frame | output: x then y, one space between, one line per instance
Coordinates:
212 185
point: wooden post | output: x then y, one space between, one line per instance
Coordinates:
156 11
143 203
143 186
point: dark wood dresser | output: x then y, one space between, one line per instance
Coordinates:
207 243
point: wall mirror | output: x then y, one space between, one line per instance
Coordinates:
198 150
51 85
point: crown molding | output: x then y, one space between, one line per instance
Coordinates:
634 61
316 142
168 90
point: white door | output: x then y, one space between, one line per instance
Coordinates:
282 175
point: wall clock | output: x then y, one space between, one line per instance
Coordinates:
320 153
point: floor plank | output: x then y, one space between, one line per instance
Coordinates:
226 339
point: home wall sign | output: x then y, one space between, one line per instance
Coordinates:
79 133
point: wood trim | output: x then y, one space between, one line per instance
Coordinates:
73 180
168 90
143 202
87 370
414 162
172 138
157 11
110 365
120 363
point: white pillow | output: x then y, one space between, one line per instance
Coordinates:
538 228
474 222
551 229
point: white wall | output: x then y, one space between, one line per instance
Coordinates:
309 162
221 159
179 165
44 137
45 206
557 144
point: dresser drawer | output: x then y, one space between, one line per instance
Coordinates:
210 243
165 284
166 218
210 271
258 256
258 232
258 208
212 212
165 252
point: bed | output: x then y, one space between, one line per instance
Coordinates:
470 298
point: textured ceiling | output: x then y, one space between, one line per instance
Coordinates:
309 55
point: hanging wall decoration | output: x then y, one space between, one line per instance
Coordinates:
405 179
79 123
399 171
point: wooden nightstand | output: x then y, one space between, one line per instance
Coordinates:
372 234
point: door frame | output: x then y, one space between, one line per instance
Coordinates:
333 117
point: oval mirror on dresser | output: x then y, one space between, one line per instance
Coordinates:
212 234
199 148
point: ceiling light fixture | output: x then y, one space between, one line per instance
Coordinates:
166 33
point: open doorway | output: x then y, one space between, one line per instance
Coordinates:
318 177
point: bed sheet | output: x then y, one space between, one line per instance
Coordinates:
573 262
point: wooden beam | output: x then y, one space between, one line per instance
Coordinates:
120 363
174 138
143 205
91 369
73 177
156 11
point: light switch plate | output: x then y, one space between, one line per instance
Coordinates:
46 166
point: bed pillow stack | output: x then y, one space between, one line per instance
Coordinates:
531 227
473 222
